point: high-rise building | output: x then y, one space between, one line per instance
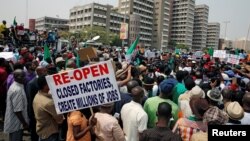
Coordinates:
213 35
134 27
182 22
200 27
50 23
145 9
95 14
161 23
32 24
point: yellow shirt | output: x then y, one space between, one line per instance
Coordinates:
76 118
2 27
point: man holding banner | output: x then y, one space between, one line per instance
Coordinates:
45 113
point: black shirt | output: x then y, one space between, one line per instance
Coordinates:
159 134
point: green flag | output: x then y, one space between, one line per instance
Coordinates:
14 22
78 60
133 46
46 52
211 51
237 51
66 63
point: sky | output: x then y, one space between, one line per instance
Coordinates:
237 12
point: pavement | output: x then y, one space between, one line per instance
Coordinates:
4 137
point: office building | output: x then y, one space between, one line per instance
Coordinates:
50 23
221 43
95 14
182 22
32 24
213 35
144 9
161 24
134 27
200 27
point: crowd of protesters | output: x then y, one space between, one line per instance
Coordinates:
167 97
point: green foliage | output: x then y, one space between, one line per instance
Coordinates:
87 33
182 46
116 41
64 34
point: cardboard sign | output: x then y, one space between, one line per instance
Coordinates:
220 54
233 59
87 53
85 87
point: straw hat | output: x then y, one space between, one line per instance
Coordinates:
235 111
197 92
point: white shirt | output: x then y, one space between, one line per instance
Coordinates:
16 102
189 69
134 120
155 90
246 119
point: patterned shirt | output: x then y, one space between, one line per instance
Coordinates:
186 128
16 102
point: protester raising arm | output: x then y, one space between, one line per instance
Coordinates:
125 81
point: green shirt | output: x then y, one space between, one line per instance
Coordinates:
177 91
151 106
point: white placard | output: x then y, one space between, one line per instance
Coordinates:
220 54
85 87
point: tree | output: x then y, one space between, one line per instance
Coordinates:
172 44
116 41
182 46
87 33
64 34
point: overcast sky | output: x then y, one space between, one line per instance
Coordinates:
235 11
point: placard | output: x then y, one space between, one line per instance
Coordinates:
87 53
85 87
220 54
233 59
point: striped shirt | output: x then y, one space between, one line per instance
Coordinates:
16 102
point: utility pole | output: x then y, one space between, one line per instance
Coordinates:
124 20
246 38
226 22
27 12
